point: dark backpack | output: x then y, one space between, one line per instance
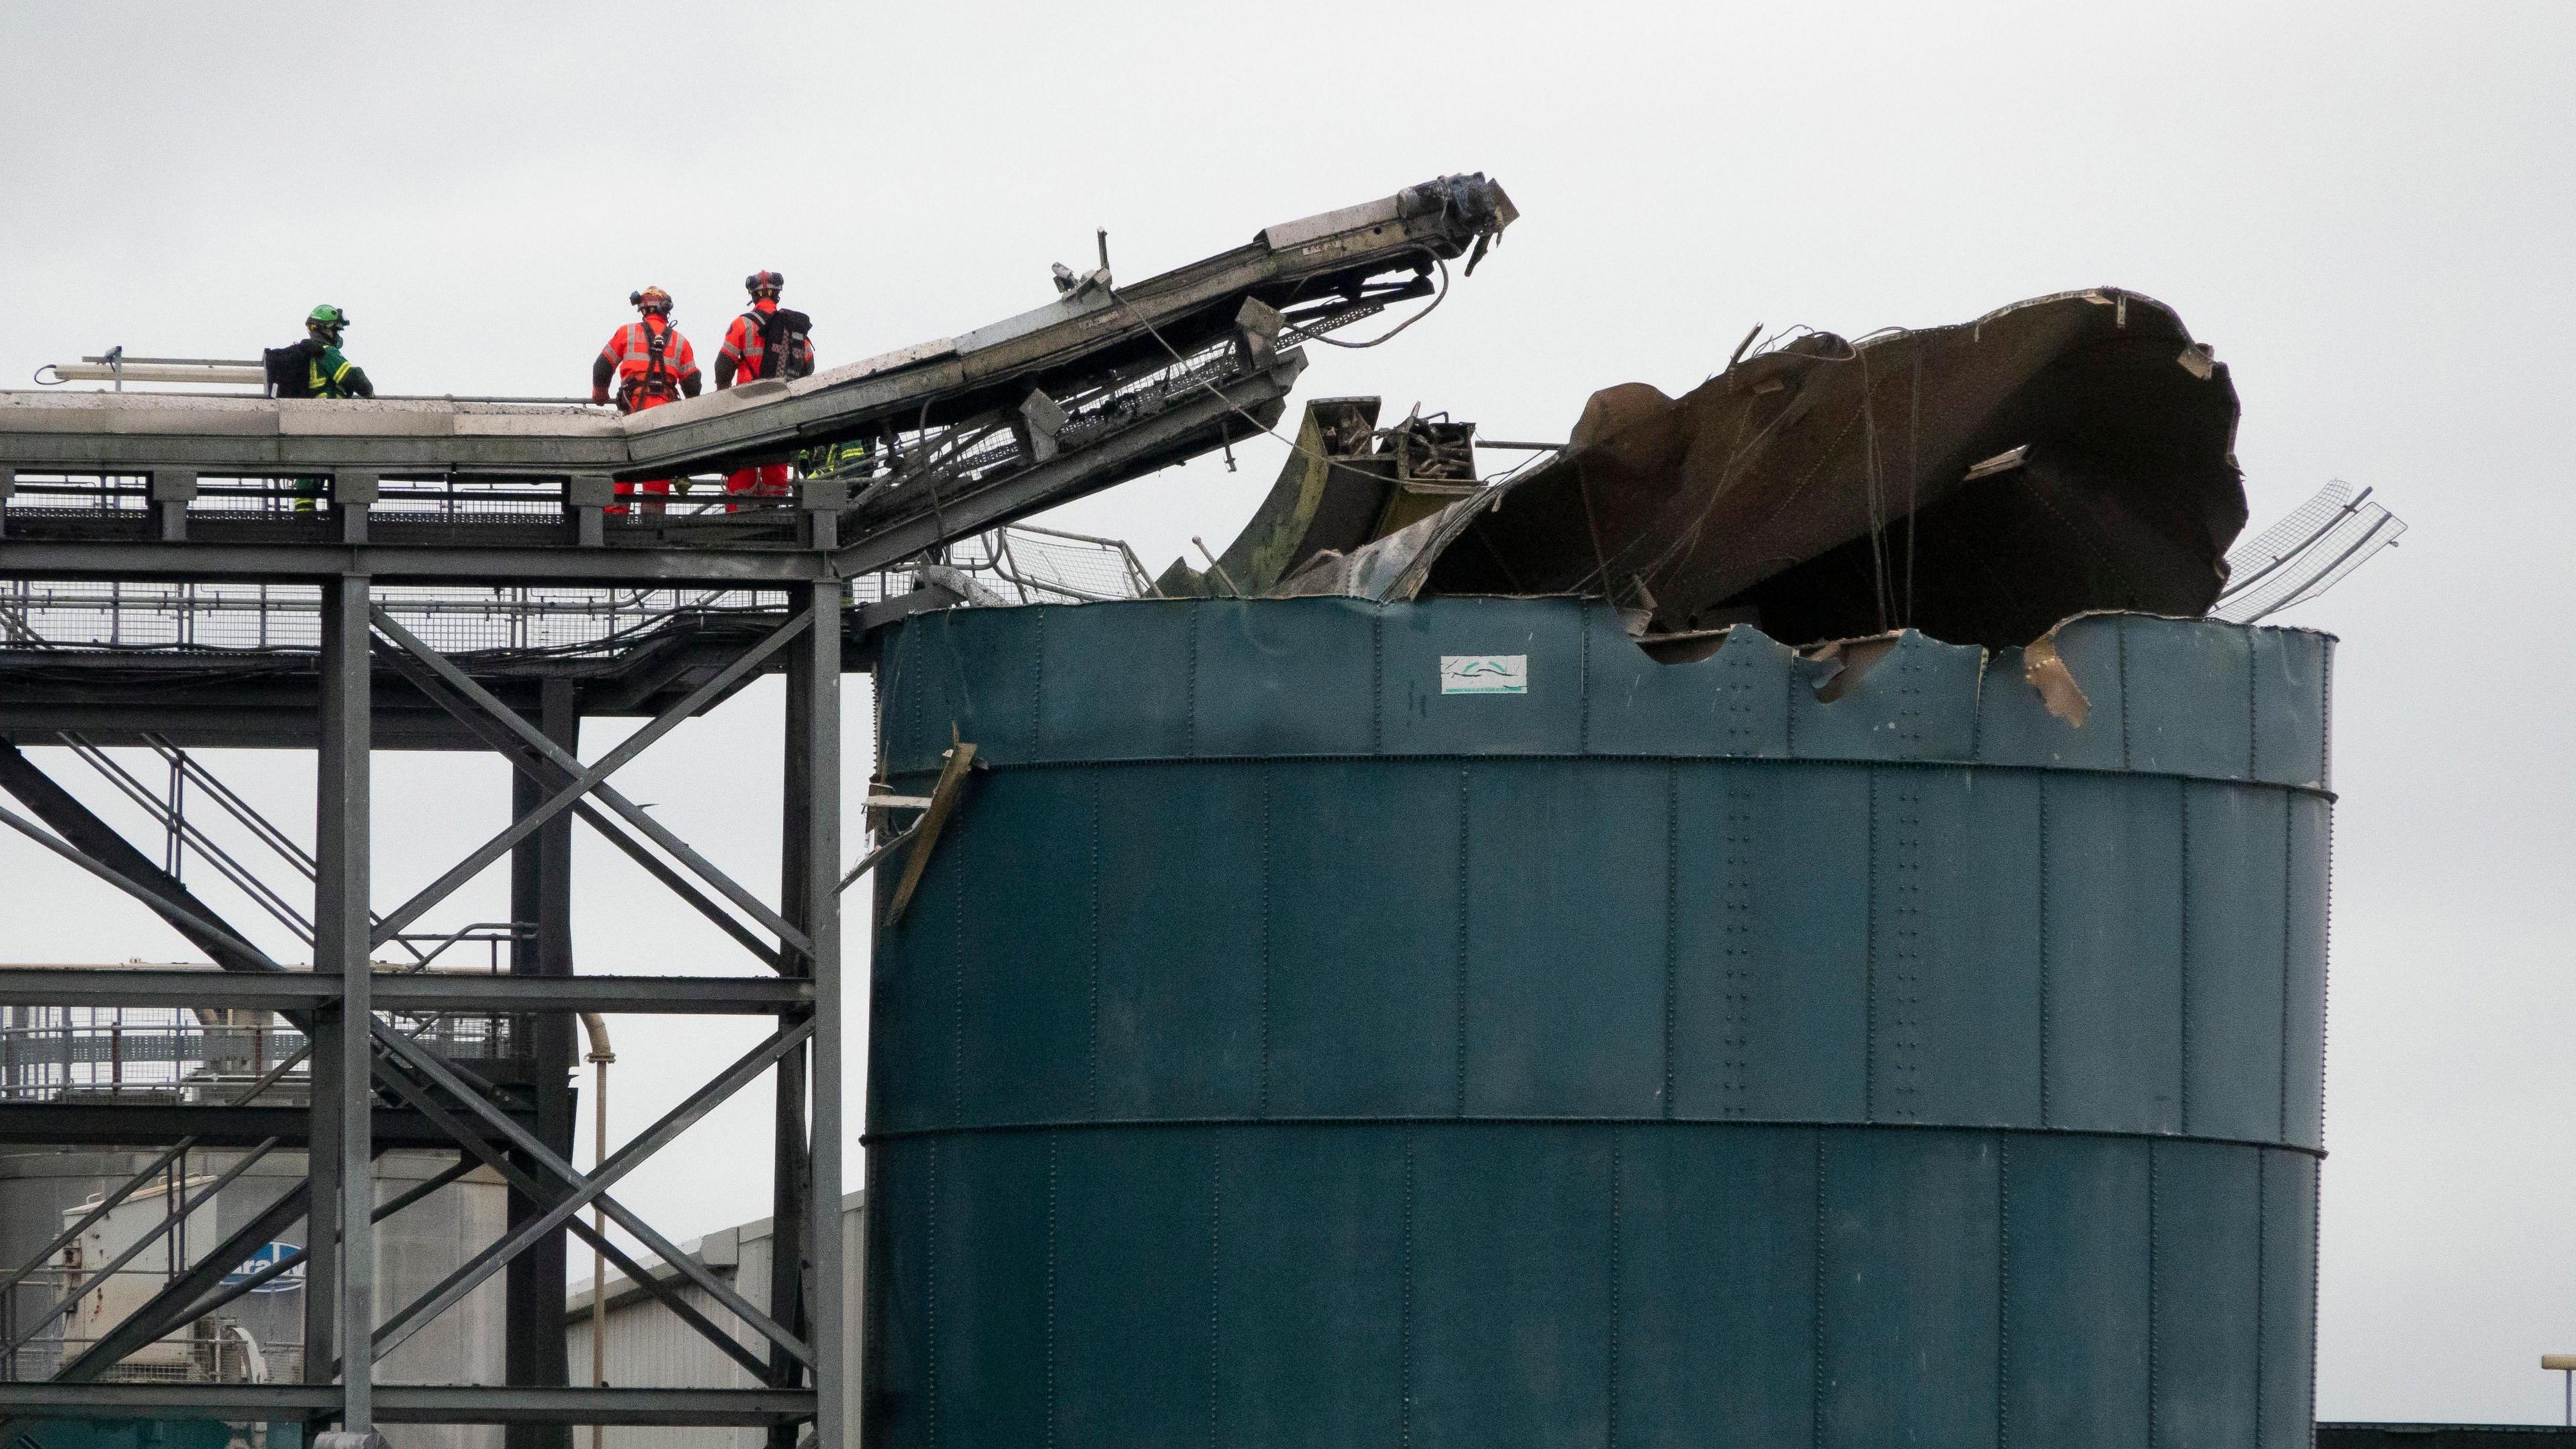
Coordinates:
783 343
289 373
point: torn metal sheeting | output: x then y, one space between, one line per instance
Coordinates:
1346 481
1335 679
1978 482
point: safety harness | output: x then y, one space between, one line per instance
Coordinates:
656 380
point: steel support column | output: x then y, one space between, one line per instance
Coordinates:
541 908
322 1177
342 946
816 662
792 1177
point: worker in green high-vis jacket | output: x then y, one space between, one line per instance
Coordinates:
315 367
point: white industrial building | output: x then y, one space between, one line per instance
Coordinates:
647 1346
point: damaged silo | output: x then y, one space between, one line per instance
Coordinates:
1330 1021
1979 482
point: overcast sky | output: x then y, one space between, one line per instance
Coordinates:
2364 208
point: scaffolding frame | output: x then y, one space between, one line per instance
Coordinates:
372 1085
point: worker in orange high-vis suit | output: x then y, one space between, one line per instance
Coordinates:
765 342
652 364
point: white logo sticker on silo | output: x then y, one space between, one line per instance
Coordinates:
1484 674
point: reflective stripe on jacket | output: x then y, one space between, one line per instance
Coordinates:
746 346
630 353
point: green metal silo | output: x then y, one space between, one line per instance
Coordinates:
1440 1024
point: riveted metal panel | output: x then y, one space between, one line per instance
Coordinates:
1954 993
1328 1060
1361 939
1132 1283
2236 936
1912 1288
1771 941
2016 726
1510 1271
2191 697
1911 699
2288 1362
915 697
2208 1293
1732 702
992 1305
2289 721
1285 677
1178 1028
1717 1286
993 665
1312 1286
1417 717
1022 1018
915 999
2113 953
2303 1066
2075 1291
901 1382
1543 1031
1088 665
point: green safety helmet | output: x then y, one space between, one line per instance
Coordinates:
326 316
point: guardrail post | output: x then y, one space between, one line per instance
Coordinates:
822 500
171 490
8 490
586 498
352 495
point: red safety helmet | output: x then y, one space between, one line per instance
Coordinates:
764 283
651 299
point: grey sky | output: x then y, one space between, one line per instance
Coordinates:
2365 208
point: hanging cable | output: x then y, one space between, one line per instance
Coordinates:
1389 335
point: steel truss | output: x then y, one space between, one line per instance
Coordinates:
361 532
376 1082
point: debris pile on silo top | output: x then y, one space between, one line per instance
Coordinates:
1979 483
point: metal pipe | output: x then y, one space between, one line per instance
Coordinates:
596 1027
228 374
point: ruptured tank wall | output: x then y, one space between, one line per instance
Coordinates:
1762 1050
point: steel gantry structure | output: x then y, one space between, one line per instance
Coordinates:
184 571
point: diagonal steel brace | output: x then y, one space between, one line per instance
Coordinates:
188 1205
428 1064
635 815
528 1186
549 777
587 780
177 915
108 1204
679 1119
200 1290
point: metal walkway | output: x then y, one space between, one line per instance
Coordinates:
186 571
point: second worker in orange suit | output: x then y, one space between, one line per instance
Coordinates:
652 365
766 342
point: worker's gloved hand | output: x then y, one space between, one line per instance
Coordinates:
599 394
